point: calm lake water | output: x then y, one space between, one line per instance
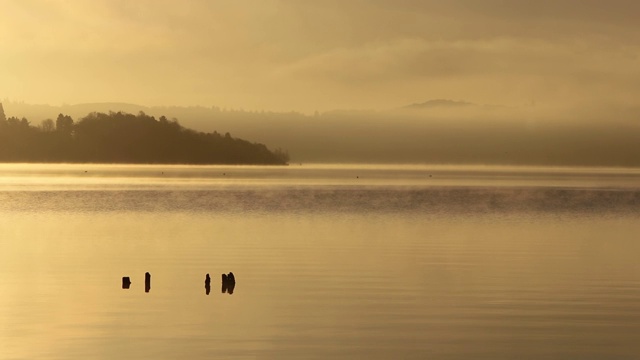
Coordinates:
351 262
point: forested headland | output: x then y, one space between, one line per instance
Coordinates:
118 137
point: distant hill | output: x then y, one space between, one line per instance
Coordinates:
38 112
439 103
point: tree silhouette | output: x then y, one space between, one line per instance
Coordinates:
64 125
3 117
47 125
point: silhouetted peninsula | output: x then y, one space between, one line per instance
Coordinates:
125 138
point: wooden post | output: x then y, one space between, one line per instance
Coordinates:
207 284
228 283
147 282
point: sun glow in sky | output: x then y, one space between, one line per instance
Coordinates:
319 55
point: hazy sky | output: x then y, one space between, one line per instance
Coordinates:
319 54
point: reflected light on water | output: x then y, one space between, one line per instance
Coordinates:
87 176
329 265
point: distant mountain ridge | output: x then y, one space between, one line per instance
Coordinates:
39 112
437 131
439 103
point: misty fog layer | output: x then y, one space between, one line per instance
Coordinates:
432 132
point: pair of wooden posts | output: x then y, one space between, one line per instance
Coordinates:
126 282
228 283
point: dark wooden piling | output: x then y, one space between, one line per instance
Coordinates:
207 284
147 282
126 282
228 283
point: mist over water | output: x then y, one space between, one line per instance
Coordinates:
330 260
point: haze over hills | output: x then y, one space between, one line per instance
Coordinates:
439 103
435 131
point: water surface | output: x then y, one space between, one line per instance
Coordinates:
345 261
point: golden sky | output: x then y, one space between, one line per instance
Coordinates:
319 55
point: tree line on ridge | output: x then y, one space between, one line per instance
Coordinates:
119 137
